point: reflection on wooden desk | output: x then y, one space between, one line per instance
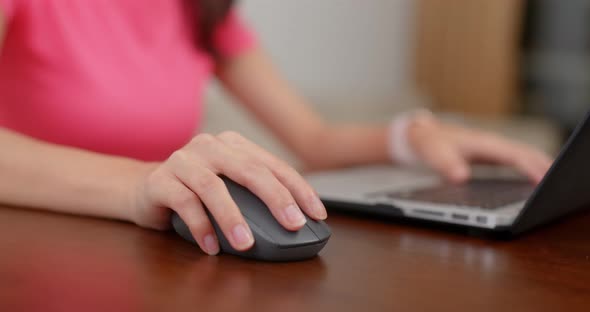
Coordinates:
51 262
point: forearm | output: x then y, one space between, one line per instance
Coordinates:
46 176
257 84
345 145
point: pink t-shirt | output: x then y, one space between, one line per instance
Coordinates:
121 77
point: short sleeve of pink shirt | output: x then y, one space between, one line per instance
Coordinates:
233 36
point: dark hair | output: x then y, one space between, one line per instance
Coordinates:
209 14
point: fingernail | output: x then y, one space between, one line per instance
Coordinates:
319 209
294 215
242 237
211 245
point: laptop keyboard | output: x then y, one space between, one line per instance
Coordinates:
484 194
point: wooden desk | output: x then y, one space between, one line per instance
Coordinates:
51 262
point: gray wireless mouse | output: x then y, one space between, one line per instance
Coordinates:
272 241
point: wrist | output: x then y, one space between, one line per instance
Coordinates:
401 136
134 180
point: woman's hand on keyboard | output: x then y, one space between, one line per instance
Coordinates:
450 149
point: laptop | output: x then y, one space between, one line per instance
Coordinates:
496 199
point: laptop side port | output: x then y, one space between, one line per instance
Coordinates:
460 217
481 219
429 212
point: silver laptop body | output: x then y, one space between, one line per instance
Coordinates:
385 186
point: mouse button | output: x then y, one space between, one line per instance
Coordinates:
242 195
257 231
319 228
304 236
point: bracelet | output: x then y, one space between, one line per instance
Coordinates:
399 148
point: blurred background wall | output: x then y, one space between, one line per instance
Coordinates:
469 60
339 52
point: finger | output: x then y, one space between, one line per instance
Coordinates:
436 150
176 196
446 161
542 161
260 181
441 155
536 163
214 194
529 169
302 192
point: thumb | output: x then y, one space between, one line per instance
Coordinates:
446 160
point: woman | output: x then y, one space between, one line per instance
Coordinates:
99 101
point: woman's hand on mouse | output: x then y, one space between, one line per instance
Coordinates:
188 182
449 149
